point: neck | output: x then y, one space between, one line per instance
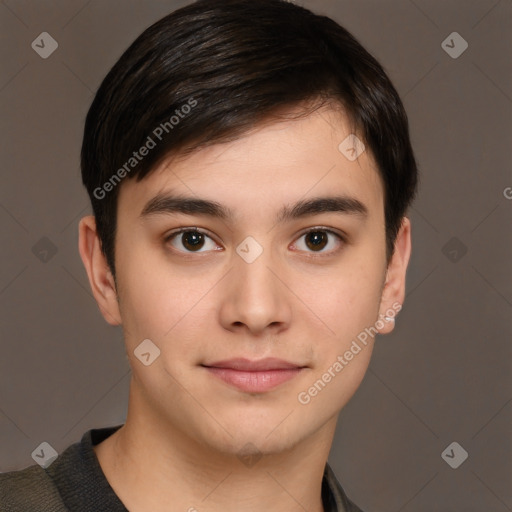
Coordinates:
151 463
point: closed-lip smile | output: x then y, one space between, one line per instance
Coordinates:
254 376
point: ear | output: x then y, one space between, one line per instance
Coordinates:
100 277
393 292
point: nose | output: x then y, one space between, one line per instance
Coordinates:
256 297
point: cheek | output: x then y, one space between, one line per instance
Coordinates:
348 306
149 300
343 301
161 302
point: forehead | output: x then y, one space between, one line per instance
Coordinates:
273 163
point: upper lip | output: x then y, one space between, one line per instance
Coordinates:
241 364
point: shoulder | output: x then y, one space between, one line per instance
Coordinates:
73 481
29 490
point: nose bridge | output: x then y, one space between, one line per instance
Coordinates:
256 296
252 268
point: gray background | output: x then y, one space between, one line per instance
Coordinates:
443 375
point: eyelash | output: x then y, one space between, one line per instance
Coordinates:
313 254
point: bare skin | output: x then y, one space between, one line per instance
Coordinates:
186 429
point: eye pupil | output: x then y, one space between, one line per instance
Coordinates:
192 239
316 240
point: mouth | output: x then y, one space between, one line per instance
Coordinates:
254 376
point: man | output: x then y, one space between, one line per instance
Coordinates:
250 169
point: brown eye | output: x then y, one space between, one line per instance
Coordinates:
316 240
191 240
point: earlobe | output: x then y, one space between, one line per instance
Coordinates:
393 293
99 274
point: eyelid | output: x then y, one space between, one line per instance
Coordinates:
327 229
184 229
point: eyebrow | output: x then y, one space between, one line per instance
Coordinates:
169 204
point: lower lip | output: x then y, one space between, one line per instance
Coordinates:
256 381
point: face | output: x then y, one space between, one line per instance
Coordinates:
288 263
